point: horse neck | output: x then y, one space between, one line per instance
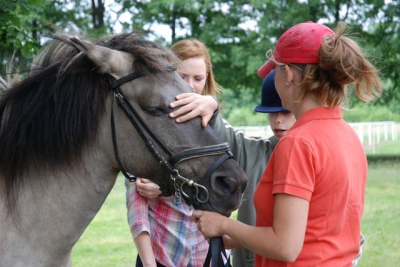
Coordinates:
52 214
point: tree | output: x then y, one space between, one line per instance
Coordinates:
15 29
25 23
237 33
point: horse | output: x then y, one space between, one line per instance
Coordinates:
87 111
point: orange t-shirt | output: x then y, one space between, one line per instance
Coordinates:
321 160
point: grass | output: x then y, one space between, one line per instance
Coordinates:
108 242
381 219
385 148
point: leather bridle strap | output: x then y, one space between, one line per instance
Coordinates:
125 79
199 152
127 175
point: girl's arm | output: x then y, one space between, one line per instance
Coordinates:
143 245
282 241
139 224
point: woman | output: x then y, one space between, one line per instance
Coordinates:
310 199
163 231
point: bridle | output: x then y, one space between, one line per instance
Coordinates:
179 182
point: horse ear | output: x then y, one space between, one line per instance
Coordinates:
116 63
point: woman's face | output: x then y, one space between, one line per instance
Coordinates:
194 72
280 123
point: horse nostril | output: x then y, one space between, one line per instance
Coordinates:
224 185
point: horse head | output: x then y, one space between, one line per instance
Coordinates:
194 166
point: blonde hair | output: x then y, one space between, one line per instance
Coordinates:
342 63
190 48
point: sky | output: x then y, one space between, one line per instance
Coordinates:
161 30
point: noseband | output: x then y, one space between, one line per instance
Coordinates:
202 195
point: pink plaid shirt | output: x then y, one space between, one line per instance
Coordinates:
175 239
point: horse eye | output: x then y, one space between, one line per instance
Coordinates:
156 111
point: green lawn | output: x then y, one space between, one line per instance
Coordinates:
385 148
107 241
381 219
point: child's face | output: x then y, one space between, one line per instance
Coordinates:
281 122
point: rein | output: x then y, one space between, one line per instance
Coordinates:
179 182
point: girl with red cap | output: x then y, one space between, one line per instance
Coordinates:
310 199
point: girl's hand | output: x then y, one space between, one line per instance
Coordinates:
147 188
193 105
209 223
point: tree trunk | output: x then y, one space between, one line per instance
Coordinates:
98 14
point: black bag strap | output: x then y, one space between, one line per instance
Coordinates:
215 252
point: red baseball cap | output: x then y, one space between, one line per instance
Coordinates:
299 44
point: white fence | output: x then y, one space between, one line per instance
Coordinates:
370 133
261 131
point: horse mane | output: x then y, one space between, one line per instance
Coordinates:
50 117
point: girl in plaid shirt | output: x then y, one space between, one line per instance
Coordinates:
163 231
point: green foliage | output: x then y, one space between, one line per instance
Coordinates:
238 33
15 28
24 23
244 116
369 113
239 110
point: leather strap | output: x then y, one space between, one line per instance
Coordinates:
215 252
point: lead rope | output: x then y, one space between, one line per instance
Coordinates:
215 252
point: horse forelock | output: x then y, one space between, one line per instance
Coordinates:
49 118
150 57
